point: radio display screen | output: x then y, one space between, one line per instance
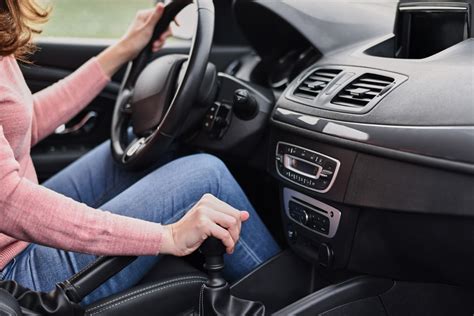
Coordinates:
303 166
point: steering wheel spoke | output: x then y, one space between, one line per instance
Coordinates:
134 147
124 102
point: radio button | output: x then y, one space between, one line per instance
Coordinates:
297 152
329 166
303 217
322 229
324 183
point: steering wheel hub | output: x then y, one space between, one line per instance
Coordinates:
154 91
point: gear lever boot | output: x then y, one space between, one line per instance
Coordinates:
215 297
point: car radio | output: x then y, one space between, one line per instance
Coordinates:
310 213
307 168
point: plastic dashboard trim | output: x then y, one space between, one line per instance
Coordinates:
315 131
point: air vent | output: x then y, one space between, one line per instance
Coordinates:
313 84
362 90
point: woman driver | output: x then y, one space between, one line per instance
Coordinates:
50 231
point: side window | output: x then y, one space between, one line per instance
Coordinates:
91 19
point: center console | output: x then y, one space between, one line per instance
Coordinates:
313 177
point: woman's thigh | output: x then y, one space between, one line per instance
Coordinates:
95 178
163 196
92 179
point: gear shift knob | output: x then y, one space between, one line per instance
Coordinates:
212 247
213 250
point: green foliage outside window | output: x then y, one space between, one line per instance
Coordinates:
102 19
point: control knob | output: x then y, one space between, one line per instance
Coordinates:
304 217
245 105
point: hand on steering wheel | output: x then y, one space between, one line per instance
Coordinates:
141 30
209 217
137 37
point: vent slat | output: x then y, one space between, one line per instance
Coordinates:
328 74
368 86
351 97
309 90
315 82
372 93
382 82
348 104
320 78
362 90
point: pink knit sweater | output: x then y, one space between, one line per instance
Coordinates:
32 213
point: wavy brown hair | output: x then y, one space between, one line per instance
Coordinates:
19 20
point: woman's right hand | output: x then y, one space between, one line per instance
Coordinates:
209 217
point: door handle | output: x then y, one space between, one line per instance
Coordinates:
84 125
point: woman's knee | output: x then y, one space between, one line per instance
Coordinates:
210 170
209 164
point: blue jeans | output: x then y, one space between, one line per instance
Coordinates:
160 195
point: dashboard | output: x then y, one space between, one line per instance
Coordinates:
415 104
371 112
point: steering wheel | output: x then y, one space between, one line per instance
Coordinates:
156 98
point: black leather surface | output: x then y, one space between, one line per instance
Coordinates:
218 301
8 305
171 287
370 306
54 303
169 267
93 276
172 296
336 295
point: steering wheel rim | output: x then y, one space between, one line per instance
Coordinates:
144 148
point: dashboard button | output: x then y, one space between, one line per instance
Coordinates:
329 166
322 229
324 183
303 217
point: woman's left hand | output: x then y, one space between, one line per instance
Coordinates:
141 31
135 39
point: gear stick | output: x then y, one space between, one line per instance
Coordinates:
215 295
214 250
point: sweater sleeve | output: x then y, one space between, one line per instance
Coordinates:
60 102
33 213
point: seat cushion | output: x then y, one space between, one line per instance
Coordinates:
169 267
8 304
172 287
